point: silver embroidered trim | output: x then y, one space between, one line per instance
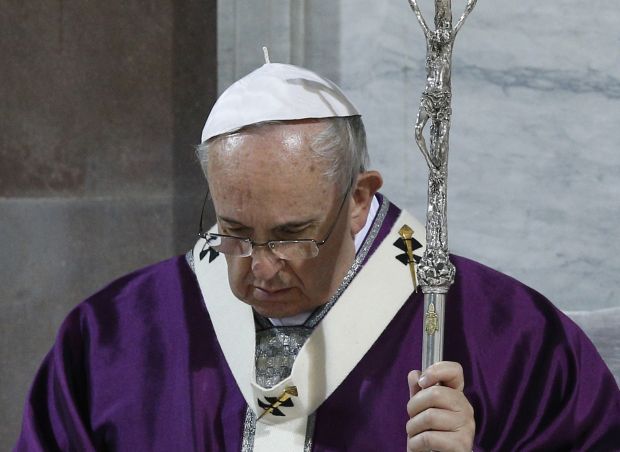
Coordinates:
310 432
189 257
318 315
276 350
374 230
249 431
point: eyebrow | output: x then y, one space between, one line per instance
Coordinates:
230 220
288 224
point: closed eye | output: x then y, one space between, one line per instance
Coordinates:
293 230
296 231
236 231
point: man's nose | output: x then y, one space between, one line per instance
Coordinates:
265 264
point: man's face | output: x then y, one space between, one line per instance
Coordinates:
268 185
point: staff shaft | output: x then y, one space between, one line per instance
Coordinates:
435 271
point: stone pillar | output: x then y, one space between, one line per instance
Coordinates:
102 103
295 31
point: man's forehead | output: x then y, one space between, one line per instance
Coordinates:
308 126
278 165
271 204
285 142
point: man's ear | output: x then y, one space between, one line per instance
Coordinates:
364 189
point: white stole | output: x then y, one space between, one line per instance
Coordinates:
336 345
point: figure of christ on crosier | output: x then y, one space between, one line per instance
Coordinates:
435 271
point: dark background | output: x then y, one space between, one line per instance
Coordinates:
101 105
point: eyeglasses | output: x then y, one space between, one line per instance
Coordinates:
283 249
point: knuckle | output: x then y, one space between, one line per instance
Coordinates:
420 442
411 409
462 400
409 427
425 440
435 393
428 418
465 407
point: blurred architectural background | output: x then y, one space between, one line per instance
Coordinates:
101 104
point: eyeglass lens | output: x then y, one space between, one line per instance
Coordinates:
290 250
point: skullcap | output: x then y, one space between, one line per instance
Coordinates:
276 92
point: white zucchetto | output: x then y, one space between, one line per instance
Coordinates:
276 92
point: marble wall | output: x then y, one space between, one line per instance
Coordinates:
534 186
101 104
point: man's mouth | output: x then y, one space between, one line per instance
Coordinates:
269 294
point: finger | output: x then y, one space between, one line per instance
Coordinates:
438 441
412 379
447 373
441 397
436 419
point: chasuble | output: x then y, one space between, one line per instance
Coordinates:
141 366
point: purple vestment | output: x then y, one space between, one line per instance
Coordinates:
137 367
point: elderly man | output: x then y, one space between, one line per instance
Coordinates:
293 324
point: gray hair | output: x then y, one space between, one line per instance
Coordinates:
341 144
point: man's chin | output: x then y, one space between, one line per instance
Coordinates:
276 310
279 309
278 304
